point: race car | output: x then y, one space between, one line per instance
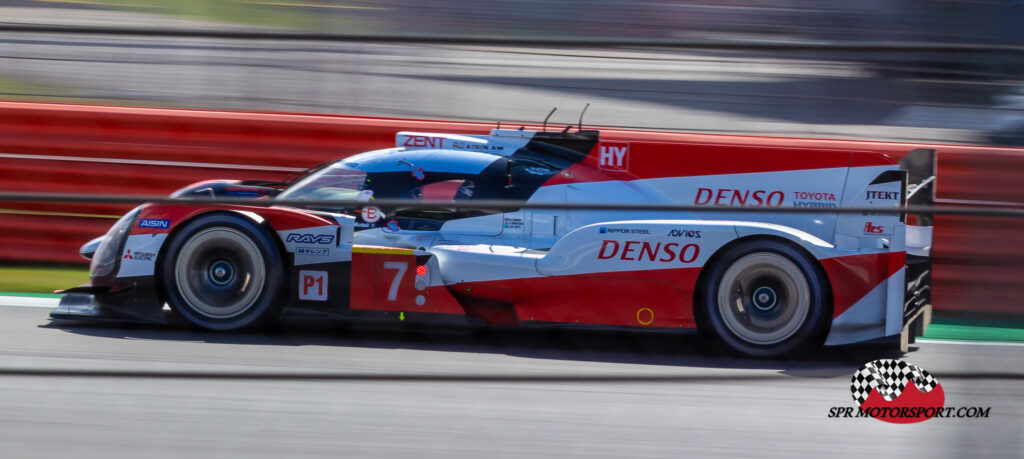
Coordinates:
761 284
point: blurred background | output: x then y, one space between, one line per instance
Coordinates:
916 70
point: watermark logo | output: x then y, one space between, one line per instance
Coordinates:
881 387
901 393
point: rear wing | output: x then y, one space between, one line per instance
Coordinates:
920 165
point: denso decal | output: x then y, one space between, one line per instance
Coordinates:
731 197
649 251
304 238
154 223
613 156
692 234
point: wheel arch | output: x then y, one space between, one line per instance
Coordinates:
262 223
700 289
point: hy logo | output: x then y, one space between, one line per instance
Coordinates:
893 385
614 156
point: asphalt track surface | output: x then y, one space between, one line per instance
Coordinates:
315 388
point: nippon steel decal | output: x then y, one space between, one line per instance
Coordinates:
899 392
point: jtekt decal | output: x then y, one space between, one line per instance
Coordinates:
890 195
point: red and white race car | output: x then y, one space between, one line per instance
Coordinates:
763 284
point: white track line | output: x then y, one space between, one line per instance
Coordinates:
971 343
29 301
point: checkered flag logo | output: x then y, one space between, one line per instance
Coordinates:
890 377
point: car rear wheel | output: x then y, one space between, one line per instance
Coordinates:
766 298
223 272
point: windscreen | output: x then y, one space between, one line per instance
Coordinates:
334 182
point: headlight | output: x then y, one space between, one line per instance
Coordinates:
106 257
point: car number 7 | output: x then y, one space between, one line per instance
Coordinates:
400 267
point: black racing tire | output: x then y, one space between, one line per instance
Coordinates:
223 272
765 298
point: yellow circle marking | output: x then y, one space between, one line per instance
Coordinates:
649 311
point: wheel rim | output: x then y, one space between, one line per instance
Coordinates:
764 298
220 272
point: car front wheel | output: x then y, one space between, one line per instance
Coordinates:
223 272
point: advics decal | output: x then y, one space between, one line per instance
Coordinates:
304 238
693 234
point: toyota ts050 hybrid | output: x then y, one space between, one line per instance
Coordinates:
762 284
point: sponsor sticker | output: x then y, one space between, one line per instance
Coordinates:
392 226
139 256
625 230
648 251
736 197
306 238
422 141
313 285
154 223
613 156
371 214
312 251
512 223
687 233
870 228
